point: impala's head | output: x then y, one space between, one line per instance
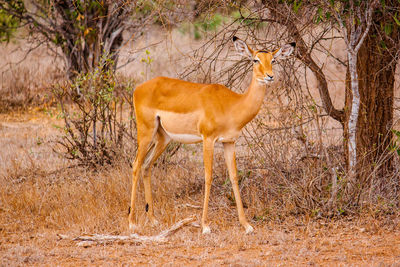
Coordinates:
262 59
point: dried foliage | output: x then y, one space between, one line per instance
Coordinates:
98 114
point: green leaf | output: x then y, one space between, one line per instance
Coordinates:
388 28
297 5
396 20
383 44
328 15
397 133
318 16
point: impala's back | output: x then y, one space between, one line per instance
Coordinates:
183 107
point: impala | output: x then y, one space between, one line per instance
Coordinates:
171 109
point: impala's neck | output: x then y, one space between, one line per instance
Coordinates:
251 102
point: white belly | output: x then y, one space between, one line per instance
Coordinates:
184 138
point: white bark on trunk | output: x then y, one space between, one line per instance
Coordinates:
354 36
355 107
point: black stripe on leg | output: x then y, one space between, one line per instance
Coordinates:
147 207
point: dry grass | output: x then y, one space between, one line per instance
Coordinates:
26 73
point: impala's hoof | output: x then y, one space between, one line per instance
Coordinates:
249 229
206 230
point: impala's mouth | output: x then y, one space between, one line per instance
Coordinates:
266 80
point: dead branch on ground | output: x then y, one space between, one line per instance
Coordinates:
87 240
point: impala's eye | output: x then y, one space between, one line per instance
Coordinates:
273 61
256 61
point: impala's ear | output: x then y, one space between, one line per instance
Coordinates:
242 48
284 51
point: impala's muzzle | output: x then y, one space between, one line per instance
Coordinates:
269 78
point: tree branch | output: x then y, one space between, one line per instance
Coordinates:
306 58
368 19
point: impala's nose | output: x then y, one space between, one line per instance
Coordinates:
269 78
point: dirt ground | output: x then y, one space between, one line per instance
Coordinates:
293 241
316 244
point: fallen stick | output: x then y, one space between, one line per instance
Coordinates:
87 240
191 206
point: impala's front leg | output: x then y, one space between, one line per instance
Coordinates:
208 153
230 159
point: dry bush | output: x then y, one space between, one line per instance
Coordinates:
97 110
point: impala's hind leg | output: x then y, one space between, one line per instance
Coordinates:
146 134
160 143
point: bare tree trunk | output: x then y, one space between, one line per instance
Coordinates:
353 118
376 69
354 26
376 66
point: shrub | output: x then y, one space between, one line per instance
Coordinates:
98 115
